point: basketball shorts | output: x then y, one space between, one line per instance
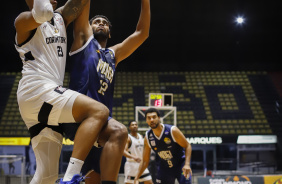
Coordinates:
168 175
130 171
45 103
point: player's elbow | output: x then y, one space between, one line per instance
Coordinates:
146 34
143 34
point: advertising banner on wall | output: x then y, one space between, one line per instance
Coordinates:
273 179
212 140
231 180
14 141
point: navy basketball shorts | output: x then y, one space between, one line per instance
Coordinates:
168 175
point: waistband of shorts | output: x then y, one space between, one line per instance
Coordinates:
141 177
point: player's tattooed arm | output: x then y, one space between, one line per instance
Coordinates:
72 9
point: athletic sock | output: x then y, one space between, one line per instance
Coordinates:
109 182
74 167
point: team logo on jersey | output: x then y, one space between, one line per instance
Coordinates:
60 20
153 143
56 30
166 132
106 71
155 149
60 89
167 140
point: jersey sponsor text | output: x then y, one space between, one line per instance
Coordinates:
56 39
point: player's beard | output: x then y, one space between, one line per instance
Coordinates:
155 125
101 36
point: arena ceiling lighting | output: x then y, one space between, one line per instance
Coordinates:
240 20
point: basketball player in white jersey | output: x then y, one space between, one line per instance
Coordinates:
134 153
41 41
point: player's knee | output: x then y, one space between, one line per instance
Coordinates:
100 112
104 113
120 133
123 132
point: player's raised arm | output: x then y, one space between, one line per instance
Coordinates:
131 43
72 9
40 12
81 28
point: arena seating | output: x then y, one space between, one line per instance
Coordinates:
208 103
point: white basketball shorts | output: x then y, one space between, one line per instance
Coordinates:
45 102
130 171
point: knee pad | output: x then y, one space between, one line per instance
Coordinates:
47 180
47 153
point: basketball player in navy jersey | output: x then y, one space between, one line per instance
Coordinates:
171 147
92 73
42 45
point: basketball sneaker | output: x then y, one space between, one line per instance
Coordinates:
76 179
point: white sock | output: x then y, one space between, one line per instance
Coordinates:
74 167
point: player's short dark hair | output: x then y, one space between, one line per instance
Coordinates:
152 110
101 16
129 123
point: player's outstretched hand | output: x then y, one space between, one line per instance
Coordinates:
187 171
